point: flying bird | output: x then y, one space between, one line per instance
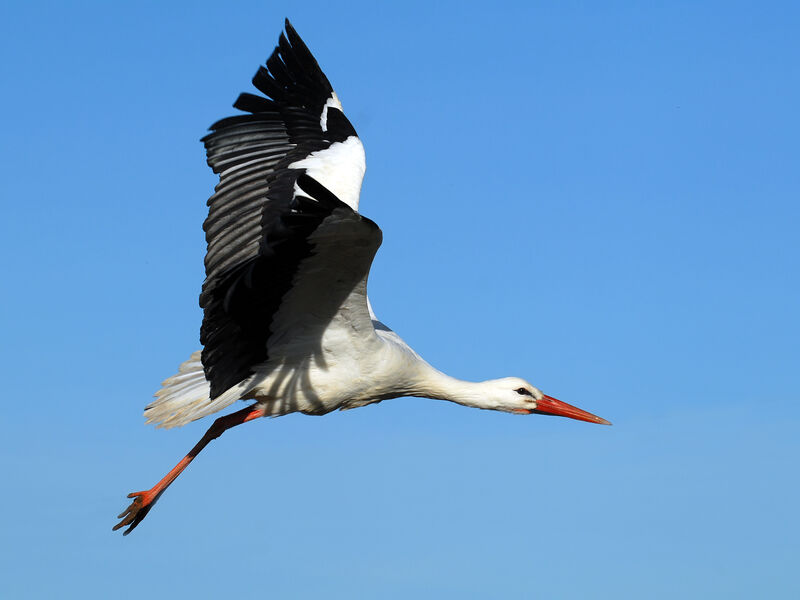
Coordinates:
286 318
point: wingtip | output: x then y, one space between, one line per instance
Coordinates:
295 41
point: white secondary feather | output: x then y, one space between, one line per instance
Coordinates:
340 168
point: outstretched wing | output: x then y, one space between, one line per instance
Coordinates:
290 177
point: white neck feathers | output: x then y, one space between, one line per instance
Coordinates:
435 384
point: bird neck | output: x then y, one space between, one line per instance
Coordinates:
435 384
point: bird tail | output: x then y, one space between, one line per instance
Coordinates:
186 397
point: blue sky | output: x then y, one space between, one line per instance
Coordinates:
602 199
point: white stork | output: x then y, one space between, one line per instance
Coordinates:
286 319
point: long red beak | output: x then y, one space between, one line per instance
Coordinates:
550 406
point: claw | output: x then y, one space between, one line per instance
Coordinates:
136 511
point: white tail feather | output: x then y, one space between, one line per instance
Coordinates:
185 396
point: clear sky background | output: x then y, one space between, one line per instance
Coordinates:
599 197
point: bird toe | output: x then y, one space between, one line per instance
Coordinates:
135 512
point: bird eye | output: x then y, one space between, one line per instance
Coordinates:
523 392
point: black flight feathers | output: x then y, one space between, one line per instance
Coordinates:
296 87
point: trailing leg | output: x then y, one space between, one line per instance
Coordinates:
144 501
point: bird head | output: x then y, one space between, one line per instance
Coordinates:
516 395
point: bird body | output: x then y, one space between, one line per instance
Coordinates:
361 362
286 319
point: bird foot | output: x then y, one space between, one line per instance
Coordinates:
137 511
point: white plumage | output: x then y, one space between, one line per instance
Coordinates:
286 319
340 168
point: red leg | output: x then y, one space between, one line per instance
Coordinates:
144 501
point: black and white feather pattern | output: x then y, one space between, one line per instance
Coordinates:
293 162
